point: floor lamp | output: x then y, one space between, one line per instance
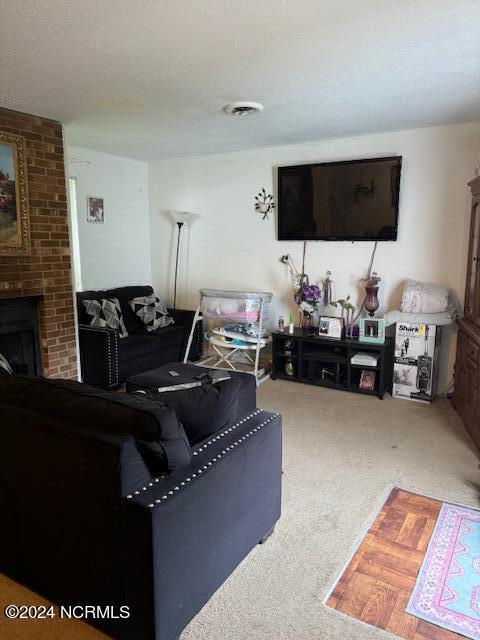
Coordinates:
181 218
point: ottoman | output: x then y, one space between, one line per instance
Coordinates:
188 373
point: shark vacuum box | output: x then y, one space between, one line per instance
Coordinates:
415 372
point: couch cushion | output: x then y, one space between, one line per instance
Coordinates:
137 346
124 294
160 377
202 410
159 434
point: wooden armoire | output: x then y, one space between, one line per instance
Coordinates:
466 396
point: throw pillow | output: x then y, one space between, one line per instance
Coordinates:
5 368
203 410
157 430
151 311
106 313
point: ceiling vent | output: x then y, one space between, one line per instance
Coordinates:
242 109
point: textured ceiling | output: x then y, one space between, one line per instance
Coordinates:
149 78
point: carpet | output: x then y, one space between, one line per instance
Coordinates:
447 591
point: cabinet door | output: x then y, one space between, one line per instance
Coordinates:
462 375
472 293
466 398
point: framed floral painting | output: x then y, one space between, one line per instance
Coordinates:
14 216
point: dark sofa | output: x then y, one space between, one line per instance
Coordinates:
107 360
85 519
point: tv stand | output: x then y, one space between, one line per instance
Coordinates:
326 362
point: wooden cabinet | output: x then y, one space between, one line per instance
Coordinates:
466 397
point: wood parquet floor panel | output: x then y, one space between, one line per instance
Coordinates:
377 583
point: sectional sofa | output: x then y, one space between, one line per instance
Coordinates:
105 501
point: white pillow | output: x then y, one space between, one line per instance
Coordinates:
424 297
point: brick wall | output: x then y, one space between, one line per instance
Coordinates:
47 271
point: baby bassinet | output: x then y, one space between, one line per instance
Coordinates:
249 310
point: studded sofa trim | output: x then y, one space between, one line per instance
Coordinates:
163 488
202 520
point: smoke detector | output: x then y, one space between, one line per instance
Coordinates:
242 109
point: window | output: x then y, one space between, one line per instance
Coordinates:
75 242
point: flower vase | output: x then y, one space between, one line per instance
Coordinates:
371 301
306 323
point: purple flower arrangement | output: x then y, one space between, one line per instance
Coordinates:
307 298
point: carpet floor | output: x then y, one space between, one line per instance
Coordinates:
342 453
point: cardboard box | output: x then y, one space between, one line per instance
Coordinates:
415 370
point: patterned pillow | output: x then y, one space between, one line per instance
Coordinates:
5 368
106 313
151 311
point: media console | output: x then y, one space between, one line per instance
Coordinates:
326 362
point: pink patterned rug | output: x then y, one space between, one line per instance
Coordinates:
447 591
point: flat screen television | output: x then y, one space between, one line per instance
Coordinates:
352 200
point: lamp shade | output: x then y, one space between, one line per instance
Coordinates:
184 217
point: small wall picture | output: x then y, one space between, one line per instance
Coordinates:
367 380
95 209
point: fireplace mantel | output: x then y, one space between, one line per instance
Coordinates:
16 295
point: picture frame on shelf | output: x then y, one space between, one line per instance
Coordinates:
331 327
371 330
367 380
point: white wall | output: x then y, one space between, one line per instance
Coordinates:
231 247
117 252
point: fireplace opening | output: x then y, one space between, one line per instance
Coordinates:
19 338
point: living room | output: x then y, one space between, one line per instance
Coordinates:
191 365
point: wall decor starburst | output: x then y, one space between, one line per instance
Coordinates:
264 203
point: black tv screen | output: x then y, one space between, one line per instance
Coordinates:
352 200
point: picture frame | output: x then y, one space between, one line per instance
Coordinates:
95 209
14 211
331 327
367 380
371 330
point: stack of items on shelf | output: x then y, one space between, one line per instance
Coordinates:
425 310
237 344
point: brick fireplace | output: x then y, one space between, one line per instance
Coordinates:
45 275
